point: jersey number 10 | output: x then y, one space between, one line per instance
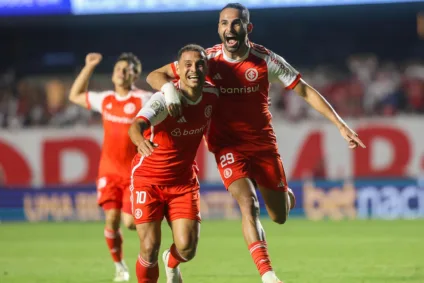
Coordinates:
141 197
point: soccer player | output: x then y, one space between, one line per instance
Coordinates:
241 135
164 181
118 108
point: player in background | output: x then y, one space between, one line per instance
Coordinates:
118 108
241 135
164 181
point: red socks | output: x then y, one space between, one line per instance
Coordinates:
147 272
174 257
114 242
259 252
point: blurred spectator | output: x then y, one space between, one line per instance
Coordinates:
58 111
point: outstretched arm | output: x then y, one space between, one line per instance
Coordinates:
319 103
78 91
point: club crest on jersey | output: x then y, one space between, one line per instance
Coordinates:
208 111
251 74
129 108
138 213
227 173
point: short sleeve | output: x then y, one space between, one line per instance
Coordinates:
280 70
95 99
155 110
174 69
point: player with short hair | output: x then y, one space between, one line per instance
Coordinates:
118 108
164 181
241 134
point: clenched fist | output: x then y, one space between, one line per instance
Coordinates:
93 59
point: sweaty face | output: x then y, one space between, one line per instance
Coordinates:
123 74
231 29
192 69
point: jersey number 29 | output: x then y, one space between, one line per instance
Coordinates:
226 159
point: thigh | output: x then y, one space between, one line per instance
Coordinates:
268 171
232 166
183 202
149 234
276 203
147 203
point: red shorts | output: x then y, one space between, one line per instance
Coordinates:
154 202
264 167
113 193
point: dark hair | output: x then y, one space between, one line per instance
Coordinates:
245 15
130 58
191 47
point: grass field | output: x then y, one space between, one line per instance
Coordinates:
302 252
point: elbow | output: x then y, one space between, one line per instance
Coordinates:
149 78
71 98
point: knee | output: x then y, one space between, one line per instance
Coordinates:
129 223
249 206
279 218
112 220
187 250
149 250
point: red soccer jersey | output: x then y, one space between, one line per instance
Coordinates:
242 118
118 113
172 161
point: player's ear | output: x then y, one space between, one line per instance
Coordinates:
249 27
177 67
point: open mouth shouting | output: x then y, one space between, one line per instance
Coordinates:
231 41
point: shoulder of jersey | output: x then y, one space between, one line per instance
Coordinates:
105 92
141 93
260 49
210 88
214 51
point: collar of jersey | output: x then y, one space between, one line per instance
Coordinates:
189 102
122 98
228 59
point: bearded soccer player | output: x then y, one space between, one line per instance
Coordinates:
241 135
118 108
164 181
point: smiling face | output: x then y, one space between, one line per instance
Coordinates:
192 69
233 28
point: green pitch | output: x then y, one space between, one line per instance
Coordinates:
301 252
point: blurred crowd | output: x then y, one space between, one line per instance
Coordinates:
363 87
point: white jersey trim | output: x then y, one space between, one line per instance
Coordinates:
278 68
155 109
95 99
152 130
